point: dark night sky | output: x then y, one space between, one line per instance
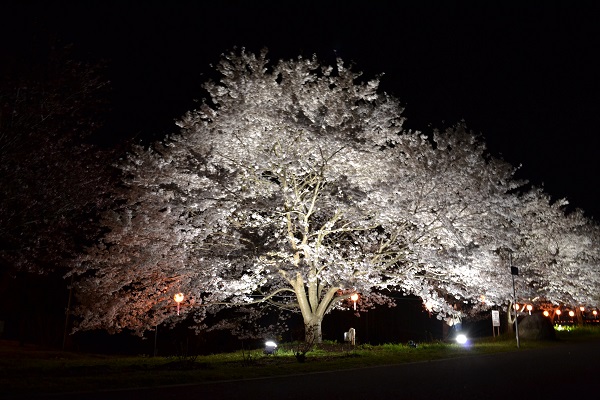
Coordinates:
526 77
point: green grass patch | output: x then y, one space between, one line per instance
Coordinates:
27 371
577 333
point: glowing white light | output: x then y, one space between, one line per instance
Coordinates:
461 339
270 343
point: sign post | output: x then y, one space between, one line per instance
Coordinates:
350 336
496 322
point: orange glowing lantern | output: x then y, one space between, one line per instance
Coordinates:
178 299
354 298
529 308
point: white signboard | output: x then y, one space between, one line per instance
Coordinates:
495 318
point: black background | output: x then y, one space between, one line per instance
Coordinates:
523 74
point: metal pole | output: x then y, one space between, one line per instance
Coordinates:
514 272
67 313
155 339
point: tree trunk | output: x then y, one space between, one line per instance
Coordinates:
312 331
579 315
313 307
510 318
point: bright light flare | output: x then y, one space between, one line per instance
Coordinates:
461 339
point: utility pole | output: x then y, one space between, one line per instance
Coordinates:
514 271
67 313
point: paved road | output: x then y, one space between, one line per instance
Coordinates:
570 371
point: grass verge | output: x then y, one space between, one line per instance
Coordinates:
26 371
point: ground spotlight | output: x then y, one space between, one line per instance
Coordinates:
270 347
461 339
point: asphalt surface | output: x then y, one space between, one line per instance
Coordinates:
567 371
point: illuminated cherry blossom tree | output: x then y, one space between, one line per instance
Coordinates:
558 253
295 186
555 251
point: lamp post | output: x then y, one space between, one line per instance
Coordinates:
514 271
178 299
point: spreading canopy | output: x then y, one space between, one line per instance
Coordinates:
295 186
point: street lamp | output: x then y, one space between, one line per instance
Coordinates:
529 308
178 299
514 271
354 298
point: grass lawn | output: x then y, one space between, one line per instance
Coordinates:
29 370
